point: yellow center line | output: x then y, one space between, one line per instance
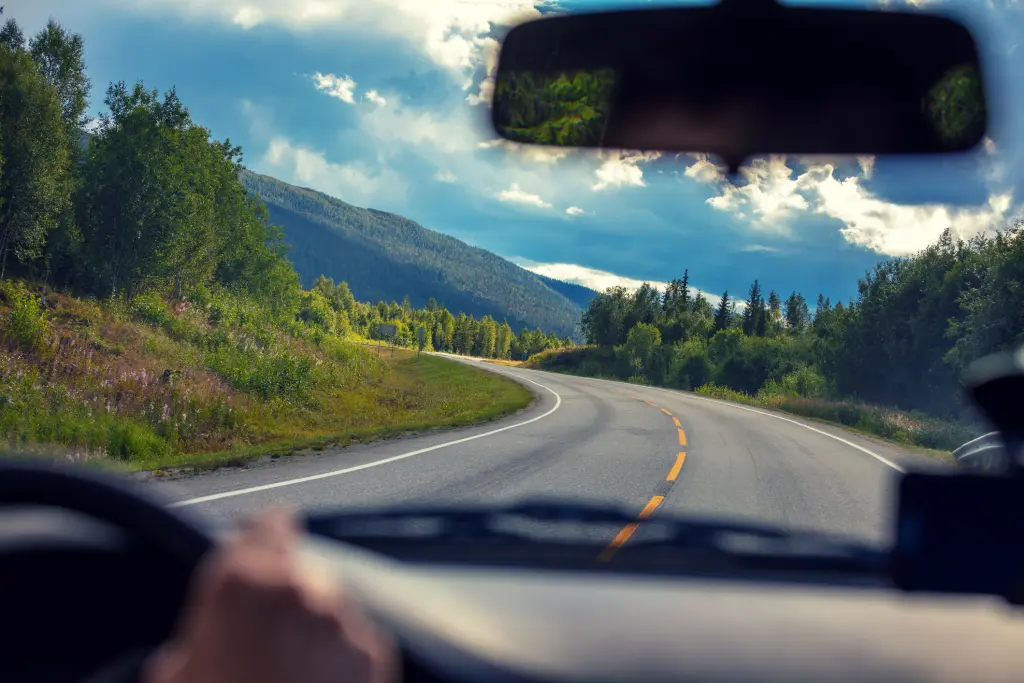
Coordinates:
666 412
674 472
653 405
682 437
677 422
628 530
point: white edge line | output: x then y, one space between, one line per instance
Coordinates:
687 395
376 463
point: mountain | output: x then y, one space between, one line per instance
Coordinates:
385 257
578 294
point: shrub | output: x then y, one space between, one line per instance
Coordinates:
127 441
26 325
150 308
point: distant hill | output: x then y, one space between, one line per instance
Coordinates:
386 257
578 294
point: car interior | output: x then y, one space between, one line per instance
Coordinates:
94 567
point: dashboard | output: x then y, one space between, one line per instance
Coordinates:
77 593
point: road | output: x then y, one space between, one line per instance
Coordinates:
649 450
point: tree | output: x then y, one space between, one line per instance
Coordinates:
774 322
59 55
723 314
754 315
11 35
796 313
35 187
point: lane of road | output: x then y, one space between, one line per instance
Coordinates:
648 449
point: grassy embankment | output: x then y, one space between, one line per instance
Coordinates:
908 428
157 385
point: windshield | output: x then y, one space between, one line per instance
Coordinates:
382 303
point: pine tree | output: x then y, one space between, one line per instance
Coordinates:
723 314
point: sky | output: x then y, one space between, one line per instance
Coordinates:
383 103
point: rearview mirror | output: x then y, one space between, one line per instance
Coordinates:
742 78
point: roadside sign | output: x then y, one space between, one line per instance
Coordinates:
421 335
388 331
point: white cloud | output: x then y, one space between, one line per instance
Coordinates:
515 195
248 17
622 169
770 193
894 229
758 247
355 183
342 88
867 165
391 122
454 34
445 177
375 97
773 195
542 154
598 280
575 211
704 170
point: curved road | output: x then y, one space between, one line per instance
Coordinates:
597 440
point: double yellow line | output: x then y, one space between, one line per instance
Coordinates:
652 505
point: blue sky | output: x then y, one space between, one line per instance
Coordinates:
382 103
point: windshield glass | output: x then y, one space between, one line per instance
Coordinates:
382 303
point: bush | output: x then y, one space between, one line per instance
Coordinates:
805 383
150 308
127 441
26 324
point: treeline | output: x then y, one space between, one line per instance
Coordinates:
904 342
148 204
333 307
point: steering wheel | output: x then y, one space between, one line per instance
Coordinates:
172 548
106 500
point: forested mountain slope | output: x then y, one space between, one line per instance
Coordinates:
386 257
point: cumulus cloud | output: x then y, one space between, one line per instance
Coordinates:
341 87
445 177
515 195
622 169
353 182
774 194
575 211
454 34
375 97
542 154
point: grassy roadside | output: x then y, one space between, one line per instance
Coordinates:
934 437
160 385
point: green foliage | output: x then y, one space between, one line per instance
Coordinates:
26 325
36 180
150 308
566 108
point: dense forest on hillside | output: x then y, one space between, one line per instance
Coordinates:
383 257
904 342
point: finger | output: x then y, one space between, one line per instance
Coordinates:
276 530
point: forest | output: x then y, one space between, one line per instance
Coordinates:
902 343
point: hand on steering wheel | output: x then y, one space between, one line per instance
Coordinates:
254 616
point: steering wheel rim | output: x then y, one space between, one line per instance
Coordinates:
103 498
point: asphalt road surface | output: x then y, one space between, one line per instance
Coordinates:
649 450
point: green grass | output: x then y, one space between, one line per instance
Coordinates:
913 429
158 386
